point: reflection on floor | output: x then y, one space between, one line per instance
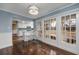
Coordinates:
33 47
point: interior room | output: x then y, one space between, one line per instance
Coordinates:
39 28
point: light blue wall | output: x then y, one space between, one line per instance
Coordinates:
34 24
6 20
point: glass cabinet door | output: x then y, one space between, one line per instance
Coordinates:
40 29
46 28
73 28
53 28
69 28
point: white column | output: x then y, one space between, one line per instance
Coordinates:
77 32
58 31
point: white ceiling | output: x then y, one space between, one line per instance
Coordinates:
22 8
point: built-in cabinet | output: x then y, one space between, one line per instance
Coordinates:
61 30
50 28
38 30
69 28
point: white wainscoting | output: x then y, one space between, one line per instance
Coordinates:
5 40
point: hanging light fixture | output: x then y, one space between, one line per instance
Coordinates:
33 10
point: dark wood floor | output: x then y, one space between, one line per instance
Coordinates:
33 47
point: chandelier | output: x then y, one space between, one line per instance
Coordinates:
33 10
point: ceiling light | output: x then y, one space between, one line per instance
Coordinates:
33 10
33 7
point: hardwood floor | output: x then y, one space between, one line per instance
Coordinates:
33 47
